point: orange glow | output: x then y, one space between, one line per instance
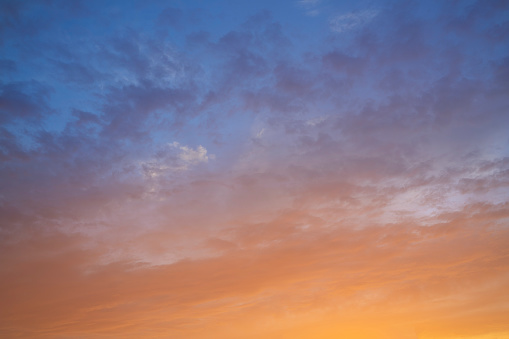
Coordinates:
447 280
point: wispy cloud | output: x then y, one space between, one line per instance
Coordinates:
353 20
311 6
175 157
309 2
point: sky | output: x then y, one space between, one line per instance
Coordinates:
254 169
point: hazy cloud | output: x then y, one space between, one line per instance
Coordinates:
353 20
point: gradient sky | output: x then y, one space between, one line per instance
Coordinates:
254 169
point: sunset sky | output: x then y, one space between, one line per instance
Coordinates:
254 169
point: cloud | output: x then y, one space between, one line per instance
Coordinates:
175 157
188 156
309 2
72 72
344 63
23 100
350 21
311 6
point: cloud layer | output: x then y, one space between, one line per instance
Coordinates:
303 169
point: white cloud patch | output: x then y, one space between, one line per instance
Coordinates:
175 157
349 21
188 156
316 121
